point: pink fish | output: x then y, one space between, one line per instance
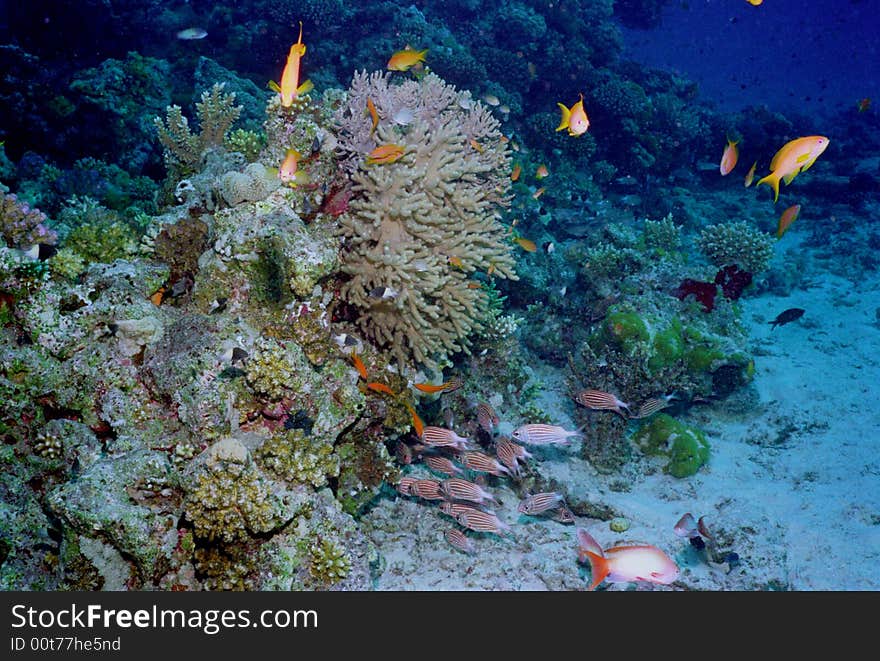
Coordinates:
538 503
686 526
458 540
457 489
442 465
405 485
439 437
625 564
510 454
600 400
540 434
487 418
427 489
482 463
475 519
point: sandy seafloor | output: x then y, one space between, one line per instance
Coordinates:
792 486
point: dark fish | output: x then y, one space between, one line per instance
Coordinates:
789 315
218 305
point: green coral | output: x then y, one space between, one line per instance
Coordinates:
328 561
685 446
102 241
295 456
269 369
662 236
737 243
66 264
249 143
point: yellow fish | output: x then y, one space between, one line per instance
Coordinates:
526 244
750 175
574 119
754 3
516 170
385 154
404 59
793 158
289 88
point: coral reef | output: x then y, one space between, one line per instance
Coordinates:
685 446
737 243
419 226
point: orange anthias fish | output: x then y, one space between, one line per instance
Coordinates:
418 425
574 119
289 172
625 564
526 244
516 170
864 104
374 115
359 365
787 218
750 175
403 60
380 387
476 146
289 87
538 193
384 154
754 3
449 386
729 157
793 158
542 172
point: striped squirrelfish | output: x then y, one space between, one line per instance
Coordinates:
439 437
793 158
625 564
459 541
574 119
651 406
487 418
405 59
442 465
456 488
787 218
405 485
474 519
482 463
602 401
384 154
540 434
426 489
563 515
509 454
538 503
729 157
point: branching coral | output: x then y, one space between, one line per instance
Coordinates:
422 224
22 226
183 149
737 243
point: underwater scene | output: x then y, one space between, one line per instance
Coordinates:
439 295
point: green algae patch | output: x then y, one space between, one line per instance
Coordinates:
685 446
668 346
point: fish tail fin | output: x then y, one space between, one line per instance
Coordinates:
599 568
566 117
771 180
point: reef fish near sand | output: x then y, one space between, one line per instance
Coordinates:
787 316
625 564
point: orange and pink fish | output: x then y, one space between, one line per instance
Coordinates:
729 157
793 157
625 564
574 119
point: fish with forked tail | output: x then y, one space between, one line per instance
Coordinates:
787 316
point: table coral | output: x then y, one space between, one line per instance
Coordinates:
408 219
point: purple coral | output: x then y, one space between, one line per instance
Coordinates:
23 227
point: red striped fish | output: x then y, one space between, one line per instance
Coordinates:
487 418
439 437
458 540
540 434
405 485
404 454
653 405
475 519
456 509
457 489
442 465
538 503
427 489
482 463
601 401
506 451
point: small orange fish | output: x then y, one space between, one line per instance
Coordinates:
418 425
750 175
374 115
385 154
729 157
490 270
289 172
359 365
516 171
864 104
787 218
449 386
157 297
574 119
526 244
538 193
380 387
407 58
541 172
476 145
289 87
473 284
456 262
